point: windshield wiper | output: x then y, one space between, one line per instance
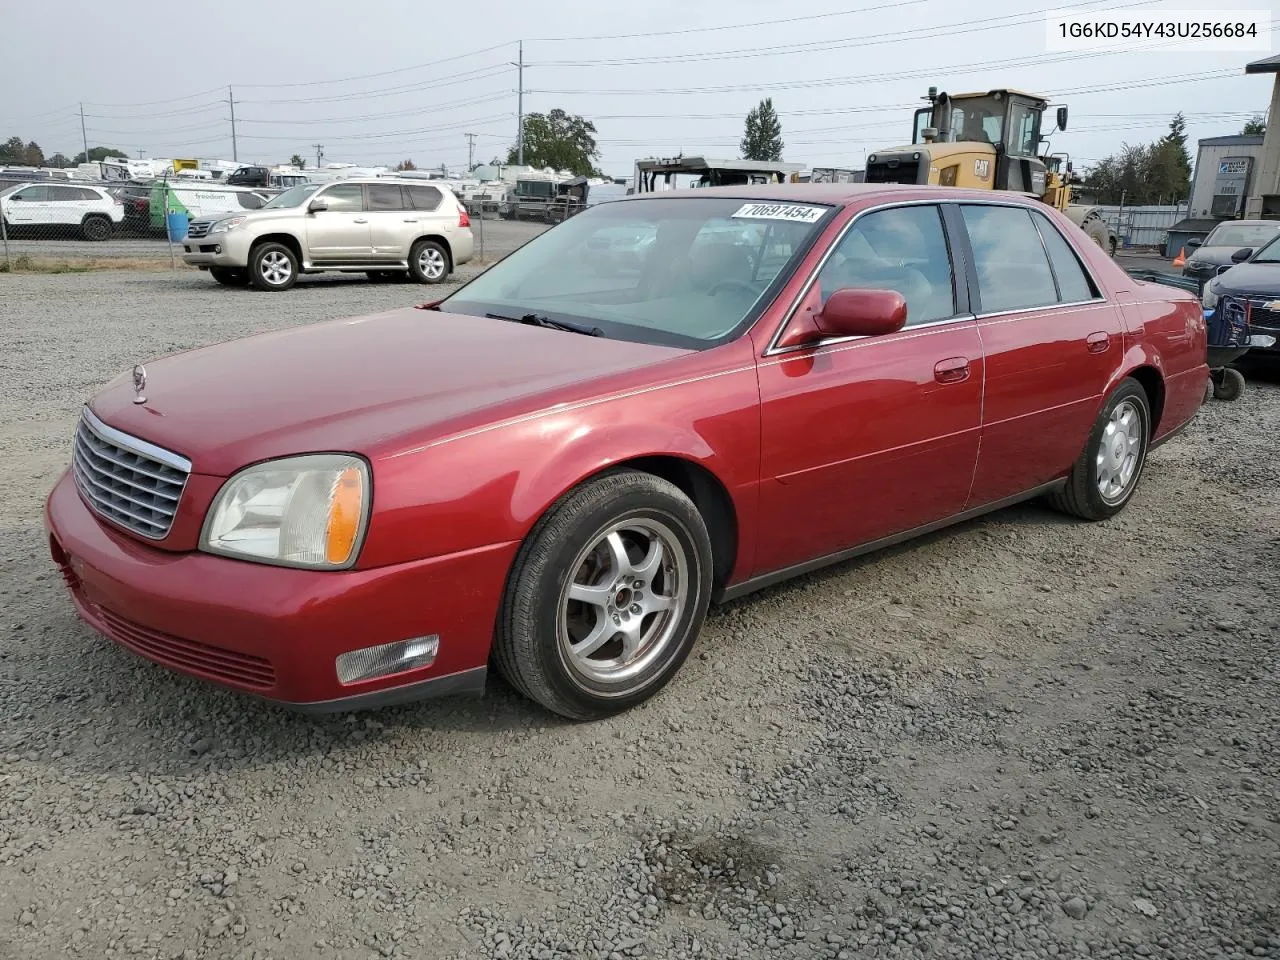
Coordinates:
538 320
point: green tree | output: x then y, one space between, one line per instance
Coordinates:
59 161
1256 127
406 165
99 153
12 151
1158 172
762 139
298 162
560 140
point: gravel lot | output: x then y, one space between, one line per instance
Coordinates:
1022 737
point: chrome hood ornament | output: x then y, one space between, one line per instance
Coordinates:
139 383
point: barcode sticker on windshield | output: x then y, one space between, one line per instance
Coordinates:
780 211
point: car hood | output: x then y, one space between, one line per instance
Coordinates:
1211 256
1250 280
371 385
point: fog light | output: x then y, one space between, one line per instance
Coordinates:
387 658
217 248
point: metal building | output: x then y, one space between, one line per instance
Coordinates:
1264 194
1225 173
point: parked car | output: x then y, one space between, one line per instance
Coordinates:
1224 242
1255 282
136 200
381 227
91 212
557 471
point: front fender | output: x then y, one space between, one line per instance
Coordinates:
491 485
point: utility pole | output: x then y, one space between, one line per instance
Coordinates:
471 151
84 136
520 107
140 153
231 100
319 153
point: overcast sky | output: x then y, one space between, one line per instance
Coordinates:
380 81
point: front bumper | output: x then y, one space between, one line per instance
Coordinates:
228 249
275 632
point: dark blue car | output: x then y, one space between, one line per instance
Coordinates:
1256 282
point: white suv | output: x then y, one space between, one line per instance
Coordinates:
382 227
91 211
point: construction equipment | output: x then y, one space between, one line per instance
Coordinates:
990 141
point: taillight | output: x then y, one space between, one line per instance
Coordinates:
464 220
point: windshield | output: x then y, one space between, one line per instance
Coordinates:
1270 253
979 119
293 197
679 271
1241 235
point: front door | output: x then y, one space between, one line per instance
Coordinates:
28 206
868 437
341 232
1052 344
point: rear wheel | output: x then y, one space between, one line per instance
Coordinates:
96 227
1102 481
1097 230
606 597
230 276
273 267
428 262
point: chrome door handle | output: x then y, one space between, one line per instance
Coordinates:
1097 342
953 370
361 221
411 221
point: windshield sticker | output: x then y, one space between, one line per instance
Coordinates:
780 211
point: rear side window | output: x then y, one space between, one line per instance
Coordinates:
902 249
385 196
87 193
63 193
1073 283
423 197
1009 257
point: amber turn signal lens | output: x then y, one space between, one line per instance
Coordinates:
345 509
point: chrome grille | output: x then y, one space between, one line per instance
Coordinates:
1261 316
126 480
199 228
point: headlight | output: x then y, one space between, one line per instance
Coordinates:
222 226
1209 299
309 511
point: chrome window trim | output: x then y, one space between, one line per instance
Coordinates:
774 350
133 444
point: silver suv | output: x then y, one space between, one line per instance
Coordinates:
382 227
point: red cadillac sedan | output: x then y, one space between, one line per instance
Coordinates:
664 401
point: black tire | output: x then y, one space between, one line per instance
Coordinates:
96 227
1230 386
230 276
1081 497
527 647
1097 230
429 262
272 260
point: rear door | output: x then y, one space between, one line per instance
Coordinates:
340 233
867 437
1052 344
390 221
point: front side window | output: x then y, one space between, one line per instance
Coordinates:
681 271
344 198
902 249
979 119
1009 257
38 194
1024 134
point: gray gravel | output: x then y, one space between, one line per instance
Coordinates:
1024 737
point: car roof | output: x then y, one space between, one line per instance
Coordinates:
840 193
1249 223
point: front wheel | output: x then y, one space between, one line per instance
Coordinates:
606 597
428 262
272 267
1102 481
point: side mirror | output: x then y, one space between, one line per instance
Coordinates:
862 313
1241 255
318 204
1193 243
1062 118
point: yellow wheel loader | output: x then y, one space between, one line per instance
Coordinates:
988 141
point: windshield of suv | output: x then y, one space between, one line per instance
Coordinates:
1268 254
688 271
1241 234
293 197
